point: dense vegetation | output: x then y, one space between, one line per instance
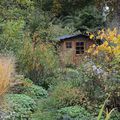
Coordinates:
40 88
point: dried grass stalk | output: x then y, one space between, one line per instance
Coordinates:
7 69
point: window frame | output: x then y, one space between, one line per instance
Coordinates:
80 48
68 44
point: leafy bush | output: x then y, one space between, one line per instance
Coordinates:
88 84
115 115
107 57
65 75
12 35
37 62
44 112
72 111
71 73
76 112
35 91
65 95
28 81
44 115
27 87
21 106
19 85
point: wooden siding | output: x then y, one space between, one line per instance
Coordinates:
68 55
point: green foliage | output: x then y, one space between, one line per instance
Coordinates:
115 115
15 10
111 115
66 74
71 73
35 92
90 82
44 111
27 87
37 62
88 19
45 115
64 7
48 30
12 37
21 106
70 96
74 113
27 80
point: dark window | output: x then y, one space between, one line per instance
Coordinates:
68 44
80 47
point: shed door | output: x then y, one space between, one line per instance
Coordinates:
79 51
68 53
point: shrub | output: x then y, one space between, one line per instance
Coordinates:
37 61
36 92
18 87
106 59
115 115
107 56
26 86
21 106
44 112
74 113
65 95
27 81
71 73
90 84
66 74
45 115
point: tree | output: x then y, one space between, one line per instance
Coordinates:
87 19
114 16
109 52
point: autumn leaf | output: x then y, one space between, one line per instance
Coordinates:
91 36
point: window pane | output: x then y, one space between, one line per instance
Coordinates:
77 52
82 51
82 48
79 47
78 44
81 43
68 44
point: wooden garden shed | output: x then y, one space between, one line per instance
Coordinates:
72 48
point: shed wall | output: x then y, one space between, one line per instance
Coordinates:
68 55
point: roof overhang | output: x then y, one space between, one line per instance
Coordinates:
66 37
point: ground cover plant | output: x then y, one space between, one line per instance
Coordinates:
21 106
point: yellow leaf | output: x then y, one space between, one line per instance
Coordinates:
105 43
91 36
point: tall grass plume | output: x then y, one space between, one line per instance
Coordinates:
7 69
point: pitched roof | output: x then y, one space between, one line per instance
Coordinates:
72 36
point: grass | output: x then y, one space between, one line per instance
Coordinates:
108 114
7 68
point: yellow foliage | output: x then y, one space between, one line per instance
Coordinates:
110 46
105 44
91 36
95 52
90 50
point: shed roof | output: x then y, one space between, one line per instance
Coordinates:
72 36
